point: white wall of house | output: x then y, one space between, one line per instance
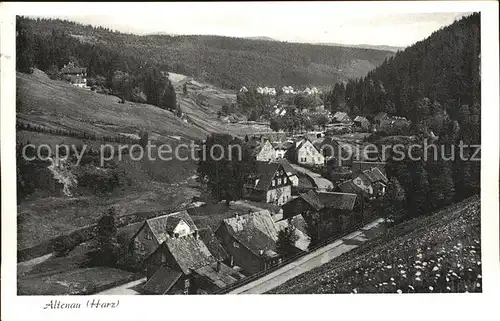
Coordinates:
293 178
309 155
182 229
280 153
267 153
281 195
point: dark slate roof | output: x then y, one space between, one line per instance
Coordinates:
266 173
350 187
306 181
318 201
221 277
341 201
374 175
358 167
162 280
189 252
256 231
213 245
162 225
312 199
72 69
286 165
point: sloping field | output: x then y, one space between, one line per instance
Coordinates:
439 253
58 104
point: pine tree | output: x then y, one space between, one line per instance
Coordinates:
285 245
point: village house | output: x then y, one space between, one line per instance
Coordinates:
341 117
271 184
155 231
290 171
361 123
307 154
359 166
313 201
394 125
184 265
369 183
331 149
282 148
75 75
250 240
264 151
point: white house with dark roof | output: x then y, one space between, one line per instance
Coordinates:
271 184
313 201
250 240
307 154
290 171
185 265
154 231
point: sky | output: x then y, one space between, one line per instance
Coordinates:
314 22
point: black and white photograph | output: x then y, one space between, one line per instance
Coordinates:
248 148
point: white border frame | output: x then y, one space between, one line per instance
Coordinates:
407 307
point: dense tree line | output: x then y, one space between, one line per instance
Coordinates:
436 84
224 61
125 73
444 68
224 166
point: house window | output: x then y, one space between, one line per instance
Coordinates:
236 245
279 181
273 183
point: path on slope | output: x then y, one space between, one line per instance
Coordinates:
310 261
322 183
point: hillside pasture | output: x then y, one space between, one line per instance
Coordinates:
440 253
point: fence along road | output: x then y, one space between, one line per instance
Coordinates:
309 261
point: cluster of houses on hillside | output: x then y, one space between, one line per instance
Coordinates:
271 91
341 122
181 258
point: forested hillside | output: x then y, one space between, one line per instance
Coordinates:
223 61
444 68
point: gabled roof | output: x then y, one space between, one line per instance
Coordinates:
340 201
312 199
350 187
318 201
213 245
221 276
303 142
359 167
162 225
189 252
338 116
72 69
266 173
375 175
286 165
360 119
256 231
162 280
